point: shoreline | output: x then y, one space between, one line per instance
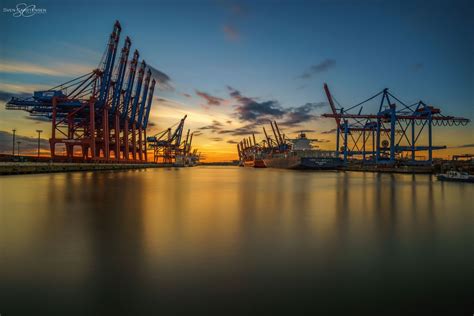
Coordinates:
19 168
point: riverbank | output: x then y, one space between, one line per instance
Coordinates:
12 168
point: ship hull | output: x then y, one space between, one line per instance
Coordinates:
257 163
303 163
445 178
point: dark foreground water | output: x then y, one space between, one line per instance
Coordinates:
231 240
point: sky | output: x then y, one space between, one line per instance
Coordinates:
231 64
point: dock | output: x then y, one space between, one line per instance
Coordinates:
14 168
393 169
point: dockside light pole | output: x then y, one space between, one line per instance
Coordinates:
39 131
18 148
13 147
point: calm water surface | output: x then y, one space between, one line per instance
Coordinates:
235 240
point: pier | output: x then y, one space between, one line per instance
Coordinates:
12 168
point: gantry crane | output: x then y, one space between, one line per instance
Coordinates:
394 130
167 145
95 111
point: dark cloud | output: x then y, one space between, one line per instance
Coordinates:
417 67
254 111
197 133
163 81
258 112
244 130
211 100
231 141
331 131
322 141
306 131
234 93
6 96
28 145
229 122
38 118
187 95
214 127
303 113
323 66
216 139
465 146
251 110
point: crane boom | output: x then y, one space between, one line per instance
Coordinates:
186 142
144 98
109 63
331 103
275 134
121 74
279 135
148 107
178 132
131 79
141 72
190 142
266 137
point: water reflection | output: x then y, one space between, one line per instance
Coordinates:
130 240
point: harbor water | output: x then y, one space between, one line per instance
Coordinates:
230 240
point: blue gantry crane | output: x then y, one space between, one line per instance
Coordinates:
392 134
168 146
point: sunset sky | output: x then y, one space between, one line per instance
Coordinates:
232 63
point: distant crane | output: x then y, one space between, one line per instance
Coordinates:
394 130
167 145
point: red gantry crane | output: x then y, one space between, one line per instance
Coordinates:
98 112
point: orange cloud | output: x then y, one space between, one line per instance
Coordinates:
59 69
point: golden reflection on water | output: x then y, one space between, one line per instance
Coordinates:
167 227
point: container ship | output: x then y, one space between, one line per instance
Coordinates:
255 163
250 153
301 155
279 152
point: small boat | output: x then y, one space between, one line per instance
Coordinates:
455 176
